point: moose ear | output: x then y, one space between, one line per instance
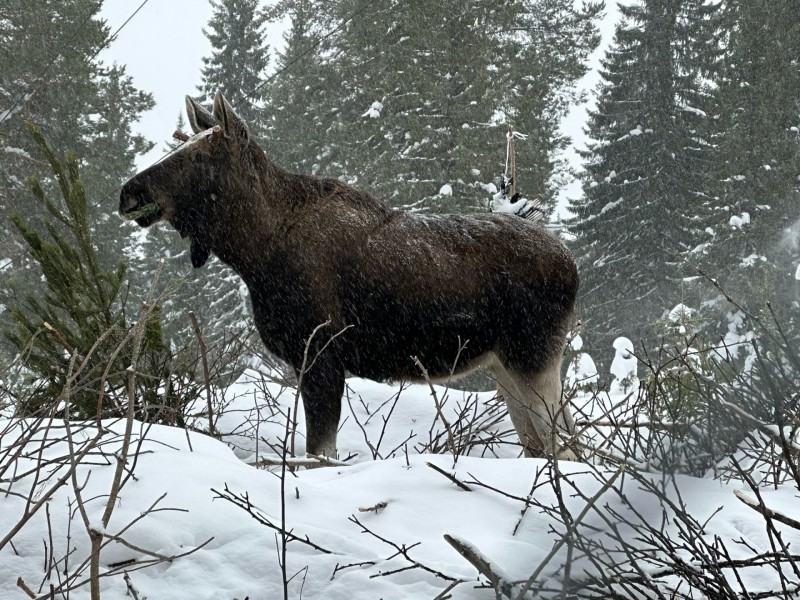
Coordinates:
199 118
232 124
198 253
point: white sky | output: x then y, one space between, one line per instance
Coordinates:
163 47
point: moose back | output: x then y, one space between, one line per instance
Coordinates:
383 291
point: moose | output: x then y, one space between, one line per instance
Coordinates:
336 276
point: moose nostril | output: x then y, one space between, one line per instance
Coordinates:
127 202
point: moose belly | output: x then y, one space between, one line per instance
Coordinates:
392 337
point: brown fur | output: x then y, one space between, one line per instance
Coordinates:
488 290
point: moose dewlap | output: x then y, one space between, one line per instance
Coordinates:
455 292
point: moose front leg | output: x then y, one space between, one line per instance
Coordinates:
321 389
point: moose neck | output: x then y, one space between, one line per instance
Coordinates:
249 214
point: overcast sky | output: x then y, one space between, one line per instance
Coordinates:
163 47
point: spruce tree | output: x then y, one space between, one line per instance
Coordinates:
239 58
300 115
646 177
417 96
755 251
50 75
236 66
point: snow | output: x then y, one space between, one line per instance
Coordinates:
797 273
388 501
446 190
738 221
374 111
623 367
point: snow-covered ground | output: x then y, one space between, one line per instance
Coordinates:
373 528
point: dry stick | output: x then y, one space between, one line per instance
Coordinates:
139 328
402 550
589 505
767 512
451 440
23 586
206 376
452 478
305 367
282 532
30 511
484 567
243 502
132 591
95 537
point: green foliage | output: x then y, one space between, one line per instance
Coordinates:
74 336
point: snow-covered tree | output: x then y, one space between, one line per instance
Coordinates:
239 58
756 251
412 100
50 75
299 115
646 177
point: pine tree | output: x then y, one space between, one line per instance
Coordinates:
239 58
646 174
73 335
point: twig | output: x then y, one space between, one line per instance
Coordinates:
132 591
589 506
206 376
402 550
243 502
374 508
24 587
450 437
498 580
767 512
452 478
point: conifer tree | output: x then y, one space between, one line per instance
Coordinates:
50 75
74 335
239 58
646 174
299 115
236 66
417 96
755 251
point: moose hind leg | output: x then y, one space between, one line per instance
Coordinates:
535 406
322 388
543 400
507 390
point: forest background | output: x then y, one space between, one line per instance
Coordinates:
689 181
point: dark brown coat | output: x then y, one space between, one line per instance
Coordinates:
456 292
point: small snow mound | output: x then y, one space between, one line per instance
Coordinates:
374 111
576 343
623 367
582 371
738 221
446 190
623 346
680 314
